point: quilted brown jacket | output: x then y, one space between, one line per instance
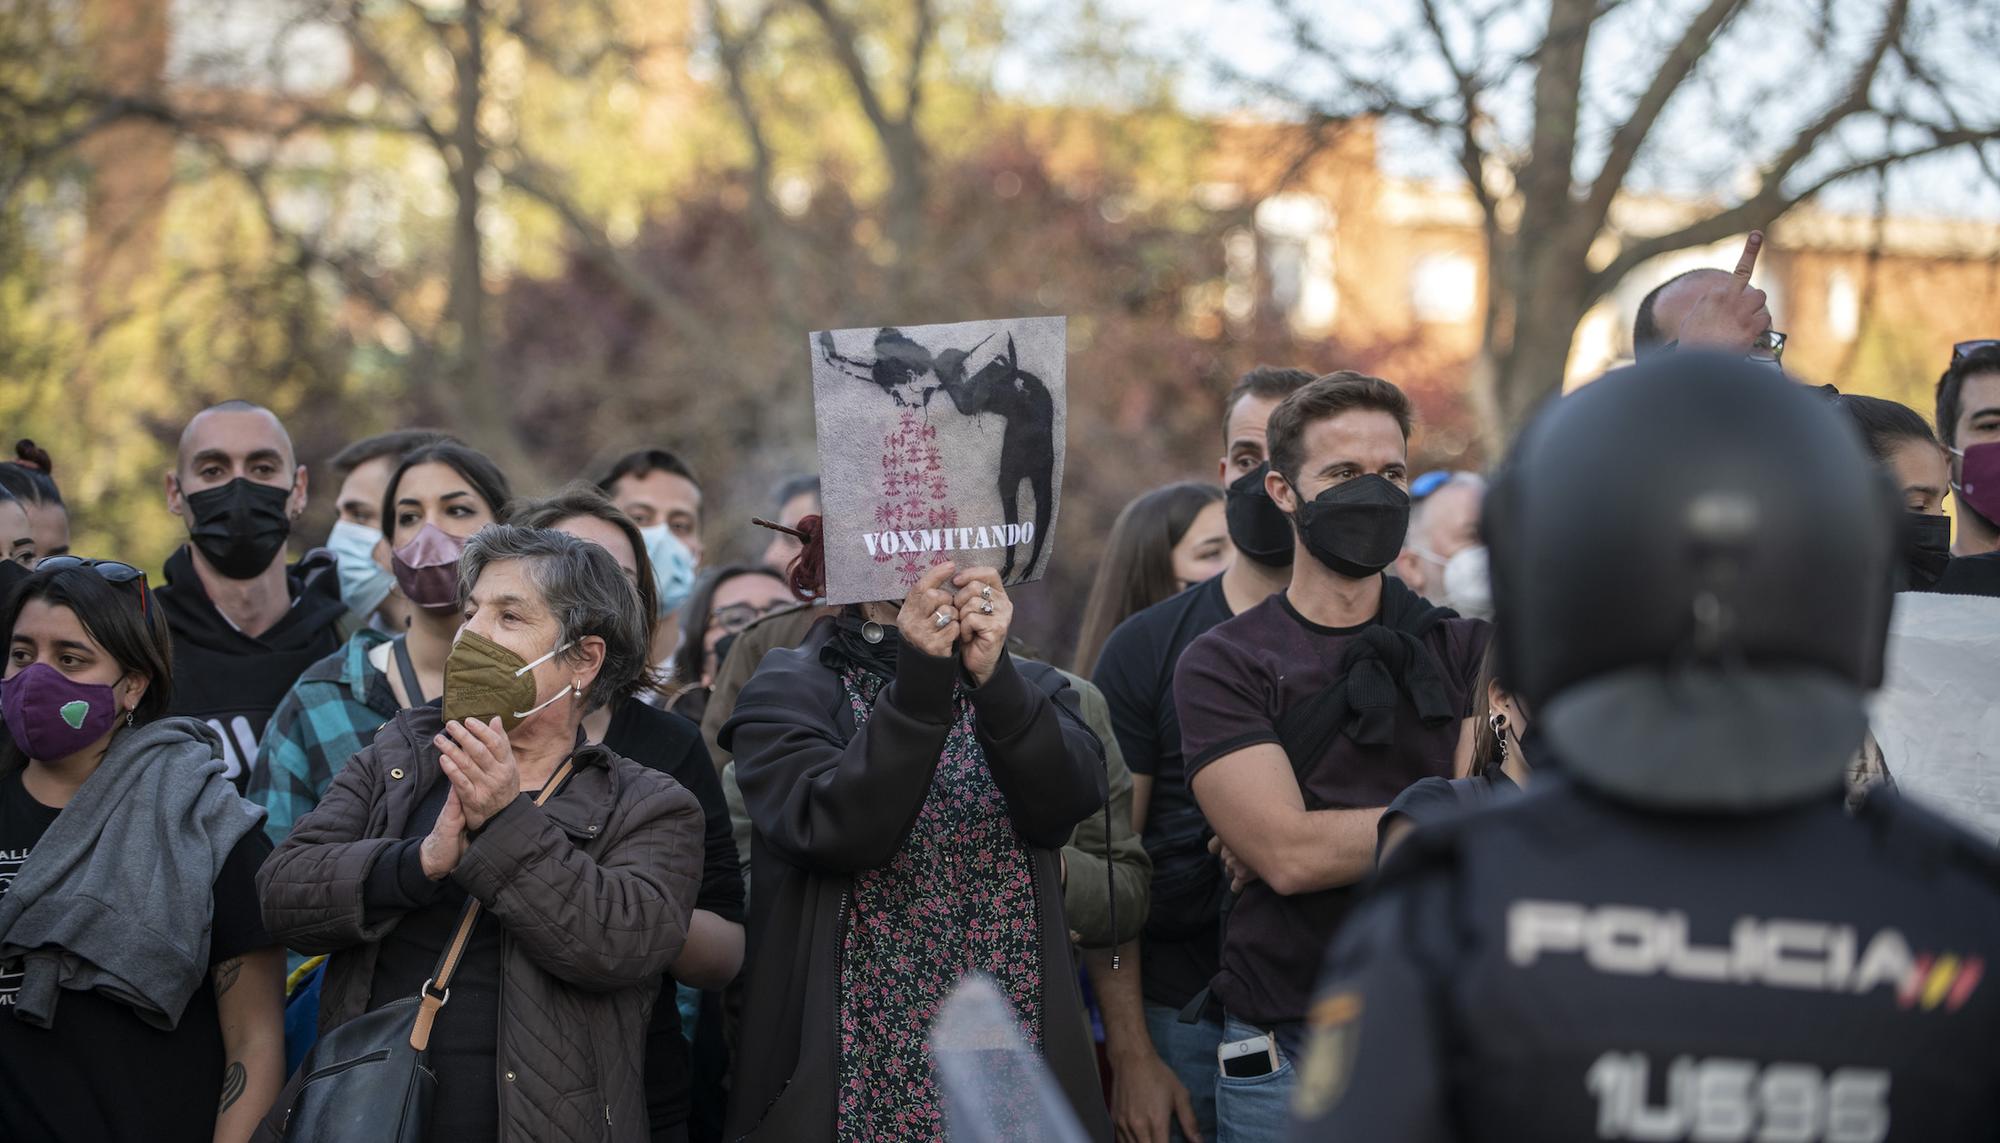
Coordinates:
594 891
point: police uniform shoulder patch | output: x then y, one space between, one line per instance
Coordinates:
1333 1032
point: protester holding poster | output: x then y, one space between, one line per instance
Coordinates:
908 780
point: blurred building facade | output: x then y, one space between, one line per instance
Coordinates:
1871 303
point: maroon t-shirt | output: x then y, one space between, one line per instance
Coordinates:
1232 687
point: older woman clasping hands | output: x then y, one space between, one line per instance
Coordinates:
586 897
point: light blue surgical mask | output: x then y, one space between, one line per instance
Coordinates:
673 567
364 584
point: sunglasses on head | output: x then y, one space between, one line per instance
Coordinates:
1965 349
111 571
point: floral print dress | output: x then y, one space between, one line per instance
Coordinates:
958 897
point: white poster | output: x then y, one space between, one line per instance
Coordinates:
936 443
1937 716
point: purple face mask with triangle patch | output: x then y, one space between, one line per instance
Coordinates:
51 715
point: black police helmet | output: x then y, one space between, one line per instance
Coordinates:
1693 512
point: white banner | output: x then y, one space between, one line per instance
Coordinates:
1938 715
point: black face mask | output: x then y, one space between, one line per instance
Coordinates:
1926 549
240 527
1257 527
1356 527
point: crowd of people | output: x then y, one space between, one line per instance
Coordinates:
1372 803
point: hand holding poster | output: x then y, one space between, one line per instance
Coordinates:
936 443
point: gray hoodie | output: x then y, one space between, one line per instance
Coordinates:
119 893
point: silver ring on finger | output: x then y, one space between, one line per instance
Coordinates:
986 608
942 619
986 593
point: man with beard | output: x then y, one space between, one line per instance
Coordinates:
1305 715
1679 932
245 624
1163 1067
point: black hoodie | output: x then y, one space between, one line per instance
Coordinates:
231 680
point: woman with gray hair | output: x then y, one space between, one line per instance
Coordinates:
585 888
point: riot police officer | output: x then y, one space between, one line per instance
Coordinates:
1678 933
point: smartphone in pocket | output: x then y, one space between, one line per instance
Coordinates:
1248 1058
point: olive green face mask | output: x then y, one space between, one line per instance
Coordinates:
484 681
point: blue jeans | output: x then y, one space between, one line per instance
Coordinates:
1253 1110
1189 1049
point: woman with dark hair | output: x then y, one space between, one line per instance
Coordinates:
31 478
631 728
1164 542
583 863
17 541
139 990
440 495
1499 763
724 602
1902 443
909 783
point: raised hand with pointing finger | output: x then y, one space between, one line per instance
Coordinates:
1730 314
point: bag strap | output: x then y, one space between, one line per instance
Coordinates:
440 981
407 668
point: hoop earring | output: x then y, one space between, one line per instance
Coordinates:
1497 722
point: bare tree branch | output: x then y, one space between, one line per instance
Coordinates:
902 147
913 76
535 181
1630 136
1766 207
1471 155
1853 102
732 50
846 50
1547 175
306 253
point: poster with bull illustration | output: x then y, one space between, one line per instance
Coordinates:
938 442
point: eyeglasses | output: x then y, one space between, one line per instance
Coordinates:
111 570
1965 349
1769 348
736 618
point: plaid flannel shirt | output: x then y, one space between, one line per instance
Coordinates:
329 715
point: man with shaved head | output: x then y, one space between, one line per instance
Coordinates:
1709 309
245 624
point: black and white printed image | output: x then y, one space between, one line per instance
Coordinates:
936 443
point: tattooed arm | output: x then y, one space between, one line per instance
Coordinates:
250 997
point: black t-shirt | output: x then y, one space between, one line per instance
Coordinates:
672 745
101 1073
1181 946
1233 686
466 1035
